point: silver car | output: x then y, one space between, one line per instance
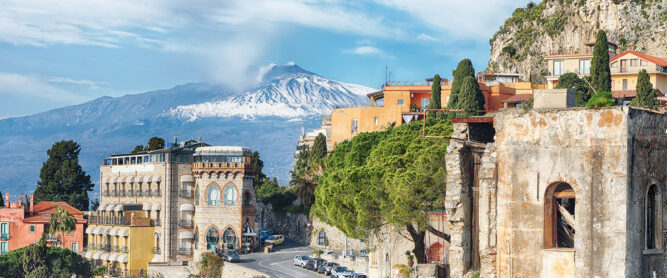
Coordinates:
341 272
300 260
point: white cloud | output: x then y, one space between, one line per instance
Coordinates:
366 50
81 82
425 37
24 85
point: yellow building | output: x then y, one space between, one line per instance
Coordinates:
121 237
625 67
579 63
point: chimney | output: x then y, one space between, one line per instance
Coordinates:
175 141
20 201
32 202
7 199
200 139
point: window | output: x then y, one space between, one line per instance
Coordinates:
643 63
32 228
425 103
212 238
400 102
230 195
74 246
559 216
624 65
354 126
558 67
585 66
4 230
614 64
625 84
229 238
322 238
4 247
196 241
634 62
653 216
246 198
377 122
213 195
69 233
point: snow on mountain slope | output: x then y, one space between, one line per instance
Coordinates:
291 93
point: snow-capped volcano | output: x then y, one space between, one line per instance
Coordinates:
286 91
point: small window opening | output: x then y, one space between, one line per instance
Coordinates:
560 218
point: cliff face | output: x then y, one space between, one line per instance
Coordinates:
564 26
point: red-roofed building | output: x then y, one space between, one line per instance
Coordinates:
20 227
625 67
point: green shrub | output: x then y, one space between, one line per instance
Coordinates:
601 99
100 271
509 50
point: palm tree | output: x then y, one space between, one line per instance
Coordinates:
61 221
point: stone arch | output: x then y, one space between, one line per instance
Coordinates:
559 215
227 174
225 192
653 206
236 174
210 237
436 253
211 199
226 234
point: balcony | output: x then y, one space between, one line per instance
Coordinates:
100 247
51 237
184 251
186 223
213 202
147 193
156 250
123 249
115 248
105 193
186 193
129 193
156 193
138 193
107 248
113 193
155 222
4 236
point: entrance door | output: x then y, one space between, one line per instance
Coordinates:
474 184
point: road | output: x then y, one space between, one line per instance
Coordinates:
279 262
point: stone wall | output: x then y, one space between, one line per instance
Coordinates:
291 225
228 270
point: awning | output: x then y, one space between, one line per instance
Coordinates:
88 255
103 231
119 207
186 235
112 231
112 180
156 259
129 179
113 257
96 255
123 232
122 258
110 207
187 207
147 206
155 207
156 178
139 179
104 256
102 207
89 230
187 178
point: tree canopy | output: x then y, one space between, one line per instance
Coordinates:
155 143
471 98
62 178
38 260
463 69
258 165
61 221
571 80
319 150
600 72
646 96
385 178
2 202
138 148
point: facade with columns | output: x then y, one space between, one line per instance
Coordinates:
194 196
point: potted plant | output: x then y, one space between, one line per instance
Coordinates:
410 258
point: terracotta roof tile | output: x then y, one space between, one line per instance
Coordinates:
655 60
42 212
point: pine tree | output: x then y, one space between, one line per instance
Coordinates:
155 143
138 148
471 98
258 165
319 150
463 69
646 96
600 73
61 177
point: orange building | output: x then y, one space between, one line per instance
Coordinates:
19 228
403 102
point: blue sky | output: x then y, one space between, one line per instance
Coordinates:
58 53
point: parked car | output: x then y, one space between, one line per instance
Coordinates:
359 275
328 267
310 264
318 263
298 260
341 272
231 256
275 240
305 260
264 235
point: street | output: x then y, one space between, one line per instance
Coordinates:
279 262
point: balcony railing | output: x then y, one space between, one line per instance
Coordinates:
4 236
113 193
51 237
186 193
115 248
186 223
213 202
107 248
156 193
138 193
129 193
121 193
105 193
156 250
100 247
184 251
147 193
155 222
123 249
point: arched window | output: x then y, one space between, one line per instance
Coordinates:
559 219
213 195
230 195
196 241
653 218
212 238
229 238
197 195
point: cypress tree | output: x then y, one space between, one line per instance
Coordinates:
319 150
436 96
2 202
471 97
600 73
463 69
646 96
62 178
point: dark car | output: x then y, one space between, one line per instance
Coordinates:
322 269
264 235
328 267
359 275
310 264
231 256
318 263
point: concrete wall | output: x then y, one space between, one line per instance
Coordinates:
228 270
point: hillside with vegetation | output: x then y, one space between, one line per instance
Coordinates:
564 26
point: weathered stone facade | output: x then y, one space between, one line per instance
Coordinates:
609 158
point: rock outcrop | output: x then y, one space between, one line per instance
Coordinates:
291 225
564 26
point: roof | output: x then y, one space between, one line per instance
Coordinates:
630 93
655 60
375 94
592 43
222 150
42 212
517 98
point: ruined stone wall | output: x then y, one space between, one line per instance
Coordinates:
488 181
585 148
648 144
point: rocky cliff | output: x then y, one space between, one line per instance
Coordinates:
564 26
